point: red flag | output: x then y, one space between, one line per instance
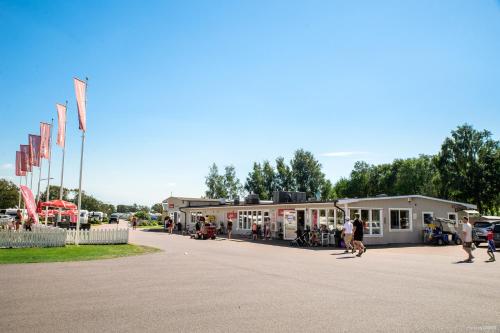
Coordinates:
45 141
80 91
61 124
29 200
25 158
19 172
34 143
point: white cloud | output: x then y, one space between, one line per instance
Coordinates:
343 153
171 184
7 166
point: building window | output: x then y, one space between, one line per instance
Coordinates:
427 218
322 217
331 219
400 219
372 219
339 217
452 216
247 218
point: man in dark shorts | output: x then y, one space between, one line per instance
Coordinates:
358 235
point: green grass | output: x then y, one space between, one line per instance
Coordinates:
149 227
72 253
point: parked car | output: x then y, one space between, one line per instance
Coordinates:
6 219
496 234
480 230
114 218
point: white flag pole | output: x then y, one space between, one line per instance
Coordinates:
77 238
31 182
62 167
48 177
39 180
20 183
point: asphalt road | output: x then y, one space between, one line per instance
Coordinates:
237 286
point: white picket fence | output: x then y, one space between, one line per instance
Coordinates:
98 236
41 237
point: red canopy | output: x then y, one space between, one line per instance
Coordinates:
59 204
68 212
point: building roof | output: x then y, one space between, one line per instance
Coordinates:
339 202
192 199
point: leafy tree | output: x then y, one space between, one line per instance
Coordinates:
9 194
284 176
231 183
269 180
54 193
469 167
328 191
307 173
157 208
215 184
255 182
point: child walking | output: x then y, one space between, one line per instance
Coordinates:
491 246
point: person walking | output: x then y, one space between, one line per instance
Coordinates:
467 239
347 236
229 228
358 235
171 225
134 222
491 246
27 225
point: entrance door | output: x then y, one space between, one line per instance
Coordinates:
289 224
301 221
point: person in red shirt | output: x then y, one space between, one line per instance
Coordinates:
491 245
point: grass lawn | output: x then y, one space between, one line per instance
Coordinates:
150 227
72 253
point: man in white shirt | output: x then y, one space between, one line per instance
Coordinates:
347 235
467 239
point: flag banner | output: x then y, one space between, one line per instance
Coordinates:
34 143
29 201
61 124
80 91
25 158
19 172
45 143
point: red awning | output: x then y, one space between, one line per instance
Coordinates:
59 204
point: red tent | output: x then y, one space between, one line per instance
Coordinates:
59 204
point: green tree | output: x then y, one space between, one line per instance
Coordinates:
215 184
284 176
255 182
269 180
328 191
307 173
54 193
231 183
469 167
9 194
157 208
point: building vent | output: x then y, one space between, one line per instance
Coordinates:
284 197
252 199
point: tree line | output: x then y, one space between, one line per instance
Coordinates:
466 169
9 197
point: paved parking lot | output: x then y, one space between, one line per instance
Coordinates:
223 285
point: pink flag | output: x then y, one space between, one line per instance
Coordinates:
45 141
34 143
61 124
25 158
19 172
80 91
29 201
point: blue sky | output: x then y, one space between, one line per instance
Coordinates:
175 86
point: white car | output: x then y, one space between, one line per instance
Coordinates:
6 219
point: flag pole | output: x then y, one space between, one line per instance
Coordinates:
62 167
31 182
20 183
39 179
48 177
77 238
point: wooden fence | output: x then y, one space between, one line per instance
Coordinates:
98 236
41 237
